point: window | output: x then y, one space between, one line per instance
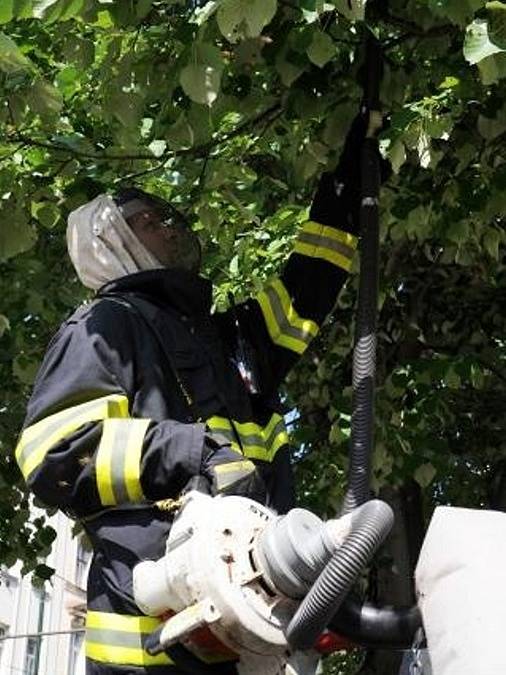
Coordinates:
34 643
76 642
82 559
32 656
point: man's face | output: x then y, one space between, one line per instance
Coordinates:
175 246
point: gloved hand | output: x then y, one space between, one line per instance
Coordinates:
337 198
228 472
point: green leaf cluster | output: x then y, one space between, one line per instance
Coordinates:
231 110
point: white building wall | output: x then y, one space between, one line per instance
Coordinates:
23 612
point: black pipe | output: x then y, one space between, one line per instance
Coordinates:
364 353
371 523
362 622
376 627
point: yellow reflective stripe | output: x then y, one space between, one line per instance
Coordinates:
118 461
133 460
103 467
38 439
118 639
257 442
222 426
127 656
285 327
129 624
327 243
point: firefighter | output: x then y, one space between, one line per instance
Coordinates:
143 390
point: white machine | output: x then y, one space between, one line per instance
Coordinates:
239 569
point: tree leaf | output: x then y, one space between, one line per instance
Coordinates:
143 8
25 368
457 11
180 134
396 154
491 242
22 9
239 19
322 49
354 10
492 127
68 81
6 11
47 535
497 23
201 80
12 59
56 10
424 475
44 572
4 324
16 234
45 99
287 70
47 213
126 107
477 45
201 83
79 51
493 68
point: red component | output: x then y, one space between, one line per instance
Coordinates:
330 642
205 642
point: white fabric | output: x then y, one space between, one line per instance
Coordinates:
461 584
102 246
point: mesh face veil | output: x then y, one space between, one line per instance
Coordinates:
177 246
133 201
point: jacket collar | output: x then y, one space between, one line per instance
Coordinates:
184 291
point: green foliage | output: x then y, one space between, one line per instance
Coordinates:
231 110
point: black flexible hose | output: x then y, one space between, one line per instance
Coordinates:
376 627
364 354
365 624
370 525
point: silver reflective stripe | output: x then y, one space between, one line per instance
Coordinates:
279 428
118 638
232 472
285 327
118 458
320 241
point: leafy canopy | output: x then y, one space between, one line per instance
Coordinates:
231 109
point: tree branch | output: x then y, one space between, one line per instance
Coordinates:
197 151
11 154
138 174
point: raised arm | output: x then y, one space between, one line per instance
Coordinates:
281 321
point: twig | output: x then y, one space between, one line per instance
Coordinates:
197 151
202 175
11 154
138 174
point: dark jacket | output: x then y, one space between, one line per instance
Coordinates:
119 412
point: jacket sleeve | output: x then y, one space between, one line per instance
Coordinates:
81 448
282 320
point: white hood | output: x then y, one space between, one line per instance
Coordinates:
102 246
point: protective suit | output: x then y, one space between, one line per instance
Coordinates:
128 392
